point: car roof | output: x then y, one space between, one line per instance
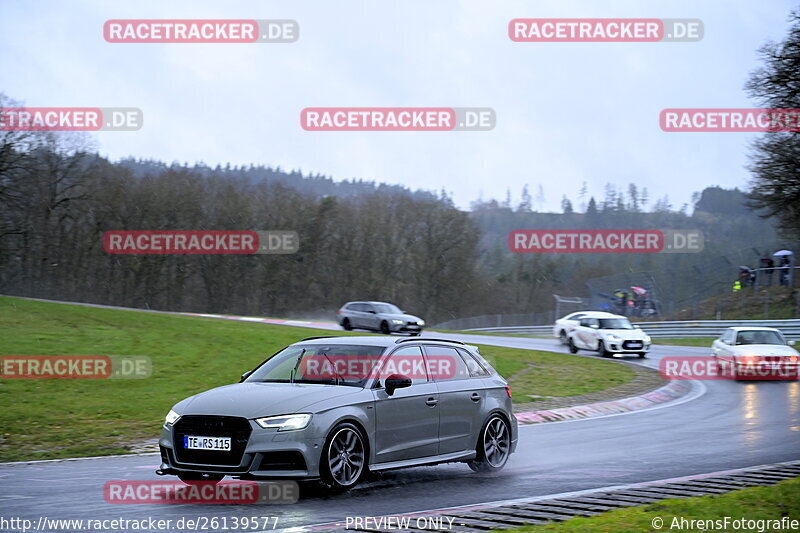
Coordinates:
753 328
367 302
360 340
379 340
598 314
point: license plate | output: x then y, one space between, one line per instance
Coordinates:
634 345
221 444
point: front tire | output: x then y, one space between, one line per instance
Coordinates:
385 328
344 458
494 446
601 349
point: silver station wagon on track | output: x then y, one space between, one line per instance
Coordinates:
335 408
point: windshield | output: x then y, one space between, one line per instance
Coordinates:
759 337
615 323
329 364
388 309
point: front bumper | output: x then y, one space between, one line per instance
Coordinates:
406 328
268 453
767 370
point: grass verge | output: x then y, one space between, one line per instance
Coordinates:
47 419
703 342
758 503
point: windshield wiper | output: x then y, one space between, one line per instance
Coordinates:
296 365
333 368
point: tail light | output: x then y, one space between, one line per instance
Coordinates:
339 312
508 391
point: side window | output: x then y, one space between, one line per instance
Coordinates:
576 316
474 367
445 363
727 336
366 308
407 361
585 322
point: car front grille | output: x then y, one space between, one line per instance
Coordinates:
632 345
238 429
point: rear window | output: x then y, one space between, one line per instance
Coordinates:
474 366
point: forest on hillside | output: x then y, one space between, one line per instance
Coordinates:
358 239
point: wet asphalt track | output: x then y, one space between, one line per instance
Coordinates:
727 425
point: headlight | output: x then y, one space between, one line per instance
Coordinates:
395 321
615 338
647 338
284 422
172 417
421 322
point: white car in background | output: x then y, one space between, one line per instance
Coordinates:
609 335
565 324
759 353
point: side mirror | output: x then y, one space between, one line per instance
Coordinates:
396 381
245 375
594 326
637 327
792 343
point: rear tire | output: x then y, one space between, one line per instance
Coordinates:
385 328
346 324
572 347
494 446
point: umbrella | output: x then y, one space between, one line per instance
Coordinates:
639 290
783 252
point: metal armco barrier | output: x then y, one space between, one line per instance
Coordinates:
683 328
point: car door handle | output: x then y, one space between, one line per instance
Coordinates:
475 397
431 402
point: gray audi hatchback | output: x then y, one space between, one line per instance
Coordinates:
335 408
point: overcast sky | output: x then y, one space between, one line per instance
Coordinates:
566 112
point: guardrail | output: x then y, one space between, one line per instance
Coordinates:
682 328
